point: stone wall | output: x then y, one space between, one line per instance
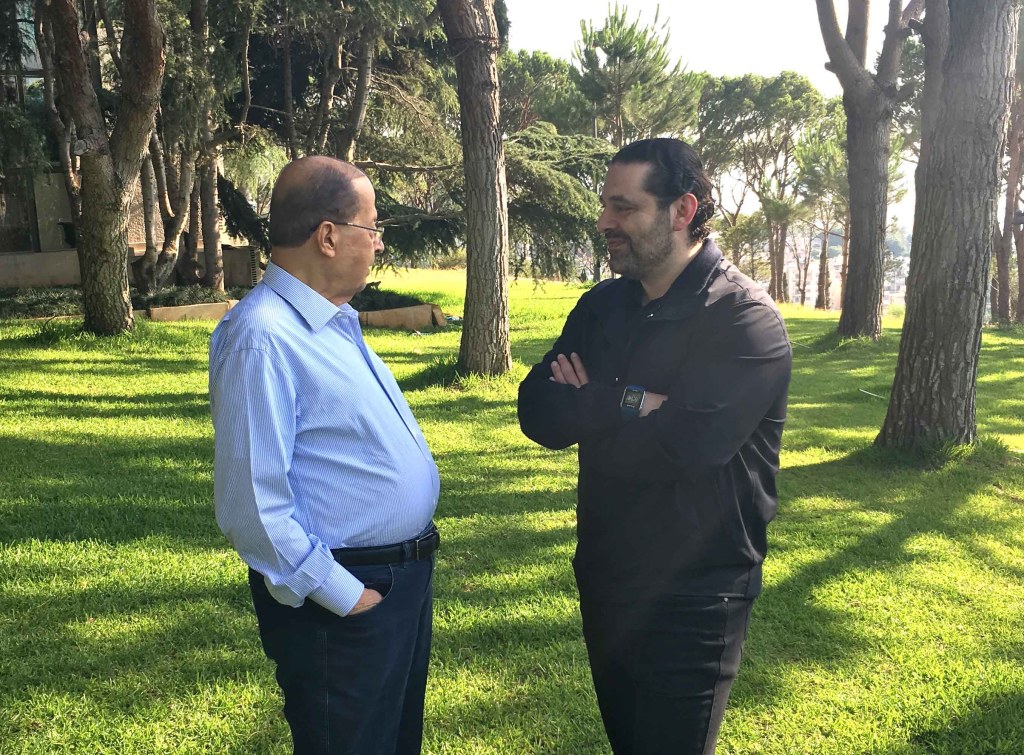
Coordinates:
31 269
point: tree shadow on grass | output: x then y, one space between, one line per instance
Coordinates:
111 490
993 726
70 405
880 505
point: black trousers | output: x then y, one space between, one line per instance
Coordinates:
663 668
354 685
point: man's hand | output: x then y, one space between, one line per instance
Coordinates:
651 402
366 601
569 371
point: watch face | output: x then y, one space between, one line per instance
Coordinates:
632 398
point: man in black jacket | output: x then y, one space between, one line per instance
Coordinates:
672 380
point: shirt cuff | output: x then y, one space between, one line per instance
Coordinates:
340 592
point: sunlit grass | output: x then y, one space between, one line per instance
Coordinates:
890 623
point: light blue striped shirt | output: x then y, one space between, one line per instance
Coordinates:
314 446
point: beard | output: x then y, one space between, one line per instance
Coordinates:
640 254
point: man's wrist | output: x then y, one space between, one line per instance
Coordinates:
632 401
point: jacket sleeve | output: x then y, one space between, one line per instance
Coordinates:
740 368
557 416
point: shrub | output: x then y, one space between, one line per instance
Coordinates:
67 300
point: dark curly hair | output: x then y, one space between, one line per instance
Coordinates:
676 169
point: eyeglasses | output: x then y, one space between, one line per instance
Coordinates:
379 230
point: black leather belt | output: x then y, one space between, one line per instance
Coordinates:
417 549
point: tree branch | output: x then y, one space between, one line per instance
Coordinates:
143 57
60 130
857 30
72 69
896 33
912 12
851 74
364 164
112 44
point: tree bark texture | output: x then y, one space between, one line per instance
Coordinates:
333 68
61 131
212 253
1004 240
286 89
188 267
868 102
823 299
109 166
360 100
1018 241
473 39
867 134
970 45
147 181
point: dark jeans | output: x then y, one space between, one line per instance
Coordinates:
354 684
662 670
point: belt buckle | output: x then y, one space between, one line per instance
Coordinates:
418 540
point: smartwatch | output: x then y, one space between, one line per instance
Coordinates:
632 400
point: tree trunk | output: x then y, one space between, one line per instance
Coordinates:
822 300
109 165
1004 240
333 67
61 131
1018 242
868 101
867 133
778 289
473 38
188 266
164 189
360 99
212 253
844 270
970 46
147 181
103 249
286 90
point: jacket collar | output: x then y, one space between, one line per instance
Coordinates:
311 306
691 282
697 275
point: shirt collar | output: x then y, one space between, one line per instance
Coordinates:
314 308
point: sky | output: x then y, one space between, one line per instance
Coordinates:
722 37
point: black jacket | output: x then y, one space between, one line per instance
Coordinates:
676 502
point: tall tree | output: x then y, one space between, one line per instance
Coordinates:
110 163
821 160
473 38
969 51
746 242
763 119
625 71
869 100
537 87
1003 249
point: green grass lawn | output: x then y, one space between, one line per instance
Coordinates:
892 620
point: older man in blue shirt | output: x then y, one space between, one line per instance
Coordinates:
323 481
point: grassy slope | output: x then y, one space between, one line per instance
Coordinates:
890 623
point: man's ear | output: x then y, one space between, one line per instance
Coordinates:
327 239
683 210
